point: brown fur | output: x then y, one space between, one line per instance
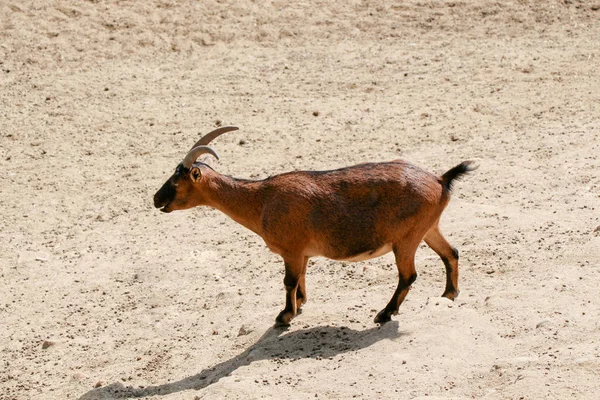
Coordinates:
352 213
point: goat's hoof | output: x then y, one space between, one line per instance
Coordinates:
283 319
281 325
382 317
451 295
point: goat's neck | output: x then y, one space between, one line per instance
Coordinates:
240 199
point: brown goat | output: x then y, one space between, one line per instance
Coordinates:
353 214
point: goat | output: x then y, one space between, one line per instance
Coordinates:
353 214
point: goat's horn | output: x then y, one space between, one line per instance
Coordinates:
209 137
193 155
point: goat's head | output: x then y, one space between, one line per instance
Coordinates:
183 189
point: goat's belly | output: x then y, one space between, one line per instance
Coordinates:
367 255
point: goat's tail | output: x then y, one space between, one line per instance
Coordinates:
456 173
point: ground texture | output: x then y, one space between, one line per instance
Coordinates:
103 297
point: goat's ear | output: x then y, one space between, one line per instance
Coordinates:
195 174
206 159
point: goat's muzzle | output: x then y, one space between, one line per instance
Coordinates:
164 197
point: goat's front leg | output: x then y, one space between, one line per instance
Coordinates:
295 268
301 296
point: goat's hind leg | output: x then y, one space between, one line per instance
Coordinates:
449 256
405 261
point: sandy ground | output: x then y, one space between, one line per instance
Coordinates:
103 297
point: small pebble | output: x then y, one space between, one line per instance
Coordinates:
243 331
99 384
78 376
542 323
47 343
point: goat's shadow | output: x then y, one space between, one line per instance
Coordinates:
317 342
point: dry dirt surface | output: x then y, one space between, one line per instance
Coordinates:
104 297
